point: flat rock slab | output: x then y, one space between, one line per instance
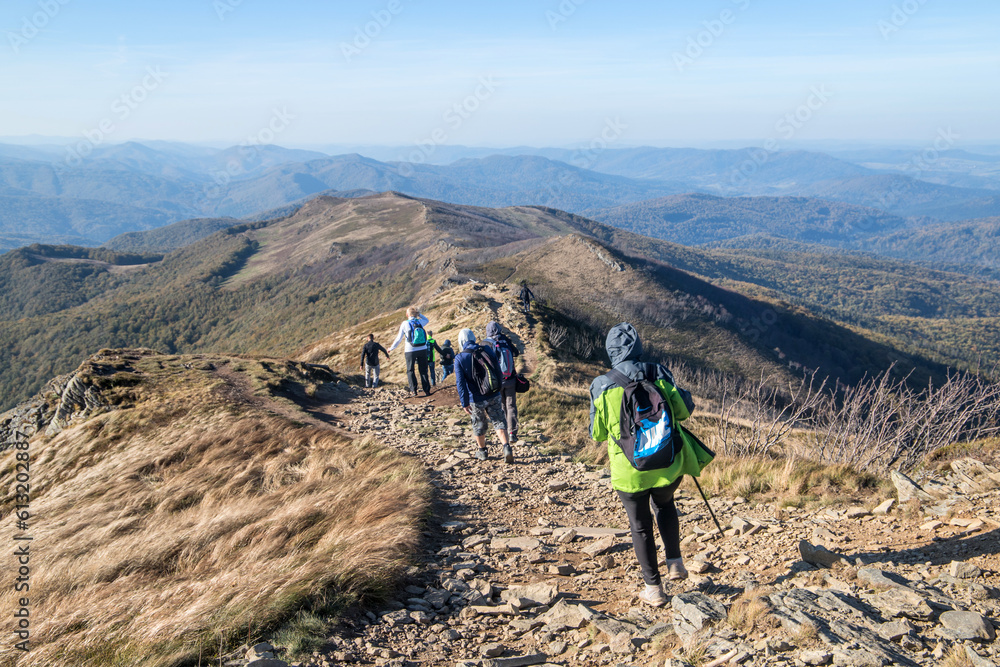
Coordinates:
966 625
591 531
884 507
514 544
540 594
897 602
907 489
599 546
820 556
693 611
839 620
517 661
564 616
876 577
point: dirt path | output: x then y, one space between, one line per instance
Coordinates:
546 519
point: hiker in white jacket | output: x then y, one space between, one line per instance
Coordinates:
413 334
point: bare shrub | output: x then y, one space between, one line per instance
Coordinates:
882 423
756 416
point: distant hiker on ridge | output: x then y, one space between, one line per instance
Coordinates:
369 360
525 296
506 353
447 360
650 453
477 381
415 350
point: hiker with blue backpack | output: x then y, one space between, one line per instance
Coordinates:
637 409
477 381
415 349
506 353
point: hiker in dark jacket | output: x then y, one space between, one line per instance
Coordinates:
369 360
415 349
525 296
637 489
481 408
447 359
508 390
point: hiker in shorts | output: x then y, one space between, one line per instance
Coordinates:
415 349
369 360
640 489
481 407
447 359
432 348
525 296
508 390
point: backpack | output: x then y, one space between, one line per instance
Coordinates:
417 336
485 373
649 439
505 357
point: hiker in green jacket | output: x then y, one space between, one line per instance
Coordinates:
639 489
432 347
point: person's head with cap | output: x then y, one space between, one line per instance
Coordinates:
446 343
492 330
466 338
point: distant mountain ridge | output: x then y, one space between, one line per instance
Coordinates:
271 286
137 186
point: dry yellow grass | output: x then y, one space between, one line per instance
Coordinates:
749 610
157 537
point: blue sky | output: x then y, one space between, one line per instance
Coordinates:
501 74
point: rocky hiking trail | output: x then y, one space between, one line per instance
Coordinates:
531 563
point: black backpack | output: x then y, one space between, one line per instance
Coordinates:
649 439
485 372
447 356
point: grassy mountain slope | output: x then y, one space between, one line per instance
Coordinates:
200 501
170 237
267 287
942 315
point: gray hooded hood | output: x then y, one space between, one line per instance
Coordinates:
623 344
492 330
624 350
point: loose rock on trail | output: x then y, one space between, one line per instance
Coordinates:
531 563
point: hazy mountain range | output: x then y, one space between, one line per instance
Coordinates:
46 194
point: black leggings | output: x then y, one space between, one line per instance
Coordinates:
418 358
640 519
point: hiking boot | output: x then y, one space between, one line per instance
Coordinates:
653 596
676 570
481 454
508 454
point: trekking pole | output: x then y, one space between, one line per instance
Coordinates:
698 486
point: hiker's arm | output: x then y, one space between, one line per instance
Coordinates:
439 350
422 319
598 424
460 386
680 405
383 351
399 337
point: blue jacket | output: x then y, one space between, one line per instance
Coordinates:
465 384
